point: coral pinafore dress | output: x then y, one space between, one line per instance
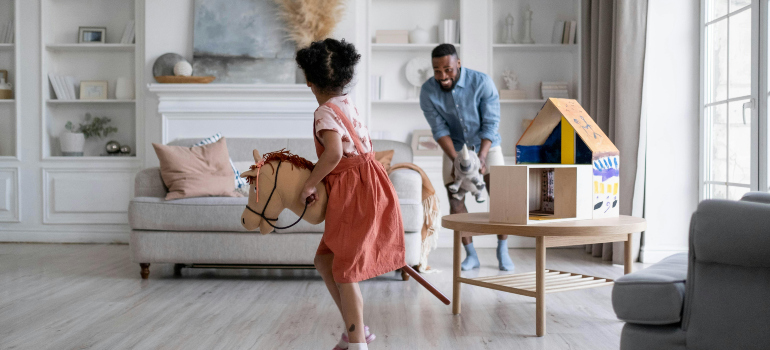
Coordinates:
364 229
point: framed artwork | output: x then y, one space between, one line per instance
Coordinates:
423 144
93 90
92 35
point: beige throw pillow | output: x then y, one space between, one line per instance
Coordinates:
196 171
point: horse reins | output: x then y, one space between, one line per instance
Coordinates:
262 214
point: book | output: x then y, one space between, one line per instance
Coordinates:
565 33
572 32
558 31
392 37
55 86
63 87
128 33
376 88
71 86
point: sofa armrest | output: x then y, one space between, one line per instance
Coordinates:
148 183
408 186
731 232
653 296
756 197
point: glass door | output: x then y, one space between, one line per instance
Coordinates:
729 113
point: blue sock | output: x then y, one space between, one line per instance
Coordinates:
471 259
502 255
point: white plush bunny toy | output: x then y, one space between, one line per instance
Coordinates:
467 176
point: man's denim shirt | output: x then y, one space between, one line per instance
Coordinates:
468 114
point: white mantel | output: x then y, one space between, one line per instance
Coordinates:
235 110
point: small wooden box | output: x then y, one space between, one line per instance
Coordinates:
516 193
391 37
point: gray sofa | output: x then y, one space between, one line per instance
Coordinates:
717 296
207 231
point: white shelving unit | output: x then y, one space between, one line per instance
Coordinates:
532 63
61 54
398 111
481 25
10 134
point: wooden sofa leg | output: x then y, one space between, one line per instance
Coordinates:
145 270
178 269
404 275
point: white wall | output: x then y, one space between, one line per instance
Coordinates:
671 96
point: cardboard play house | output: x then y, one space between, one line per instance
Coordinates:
567 169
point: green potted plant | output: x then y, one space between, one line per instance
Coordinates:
73 138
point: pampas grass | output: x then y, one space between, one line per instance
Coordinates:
309 20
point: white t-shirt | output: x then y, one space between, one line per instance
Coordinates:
326 119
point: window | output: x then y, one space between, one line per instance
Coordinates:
730 138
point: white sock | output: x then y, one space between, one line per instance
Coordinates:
342 344
357 346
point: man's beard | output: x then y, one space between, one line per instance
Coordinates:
454 82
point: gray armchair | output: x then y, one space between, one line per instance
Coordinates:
717 296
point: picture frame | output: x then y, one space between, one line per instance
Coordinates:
91 35
93 90
423 144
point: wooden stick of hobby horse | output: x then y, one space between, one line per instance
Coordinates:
426 284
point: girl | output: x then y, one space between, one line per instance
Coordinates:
364 234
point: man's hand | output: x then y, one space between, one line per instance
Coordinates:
482 163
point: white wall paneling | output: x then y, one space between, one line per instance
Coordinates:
9 195
96 196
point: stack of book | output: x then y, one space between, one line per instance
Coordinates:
6 33
376 87
448 32
557 89
63 87
128 33
564 32
391 37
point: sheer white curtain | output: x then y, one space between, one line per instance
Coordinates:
614 35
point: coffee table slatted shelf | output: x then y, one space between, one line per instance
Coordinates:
525 283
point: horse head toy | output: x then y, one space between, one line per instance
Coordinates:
269 196
270 192
467 176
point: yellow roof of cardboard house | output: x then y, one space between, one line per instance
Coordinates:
550 116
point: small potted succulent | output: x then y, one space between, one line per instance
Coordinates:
74 138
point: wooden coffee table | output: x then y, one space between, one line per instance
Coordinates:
557 234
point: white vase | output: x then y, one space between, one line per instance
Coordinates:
419 36
124 89
72 143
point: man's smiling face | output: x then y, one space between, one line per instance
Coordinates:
446 70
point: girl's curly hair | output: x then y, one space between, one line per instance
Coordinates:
329 64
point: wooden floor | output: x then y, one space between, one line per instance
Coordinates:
74 296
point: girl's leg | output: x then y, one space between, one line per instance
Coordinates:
353 311
323 264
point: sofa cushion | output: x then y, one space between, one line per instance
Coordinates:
652 296
196 171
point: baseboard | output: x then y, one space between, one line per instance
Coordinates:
55 236
651 255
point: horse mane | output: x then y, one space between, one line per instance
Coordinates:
283 155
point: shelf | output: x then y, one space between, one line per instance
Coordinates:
7 101
406 47
92 159
535 47
7 46
90 47
109 101
395 102
522 101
